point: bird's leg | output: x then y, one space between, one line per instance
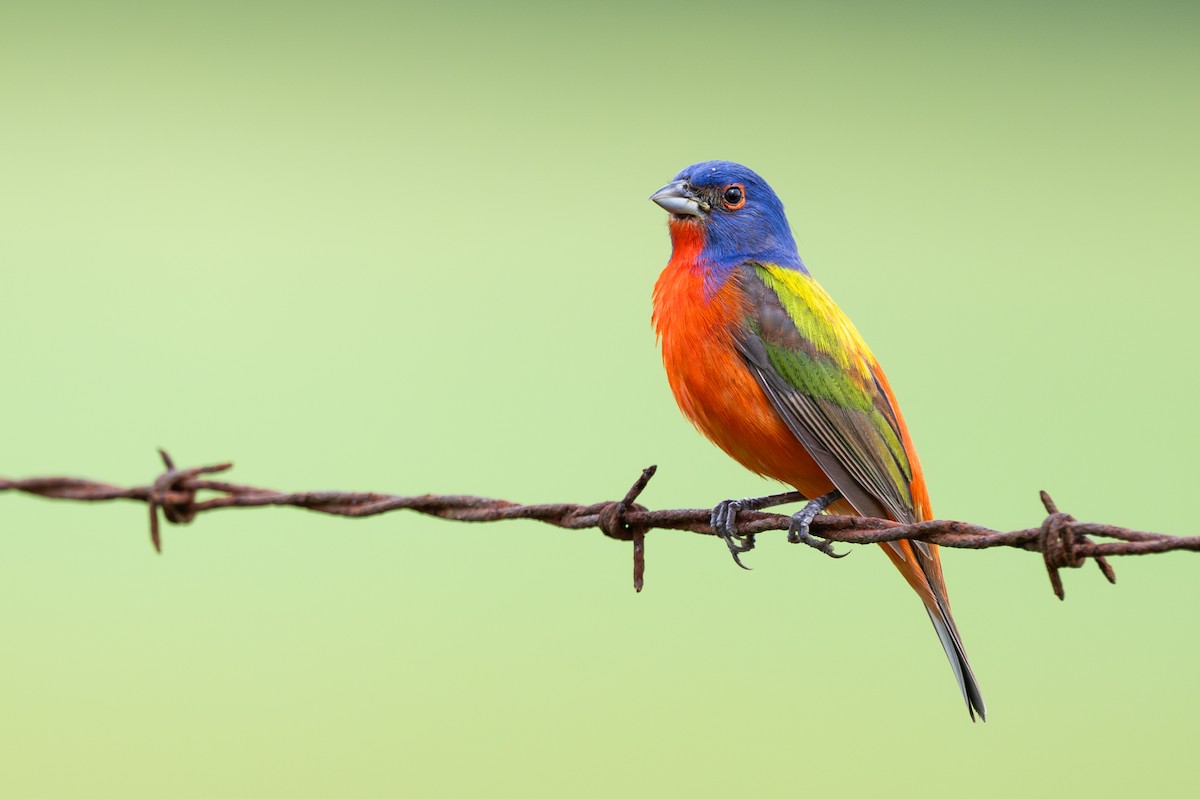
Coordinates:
724 520
798 529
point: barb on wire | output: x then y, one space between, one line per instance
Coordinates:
173 496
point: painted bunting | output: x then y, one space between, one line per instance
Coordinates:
767 366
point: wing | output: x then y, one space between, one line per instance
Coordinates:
829 389
831 392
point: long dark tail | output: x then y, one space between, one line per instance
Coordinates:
948 634
922 568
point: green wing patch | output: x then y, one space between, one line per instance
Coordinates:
817 371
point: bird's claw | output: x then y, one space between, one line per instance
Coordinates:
796 536
724 522
798 528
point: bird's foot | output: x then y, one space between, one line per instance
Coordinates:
798 530
724 522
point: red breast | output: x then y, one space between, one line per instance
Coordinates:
712 385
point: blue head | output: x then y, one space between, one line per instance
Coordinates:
740 218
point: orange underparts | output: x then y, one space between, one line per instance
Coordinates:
711 383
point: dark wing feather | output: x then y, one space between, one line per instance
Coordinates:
817 373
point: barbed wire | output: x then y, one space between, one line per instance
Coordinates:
173 496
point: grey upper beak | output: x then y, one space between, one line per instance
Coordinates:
678 198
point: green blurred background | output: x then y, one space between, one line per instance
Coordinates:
376 246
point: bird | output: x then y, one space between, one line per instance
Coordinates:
767 366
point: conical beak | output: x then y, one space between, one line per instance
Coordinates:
678 198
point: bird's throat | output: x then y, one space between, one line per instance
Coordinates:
687 240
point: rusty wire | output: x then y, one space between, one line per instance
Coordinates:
1063 541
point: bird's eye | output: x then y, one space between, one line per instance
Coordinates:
734 196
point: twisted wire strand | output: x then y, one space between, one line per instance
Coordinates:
173 496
